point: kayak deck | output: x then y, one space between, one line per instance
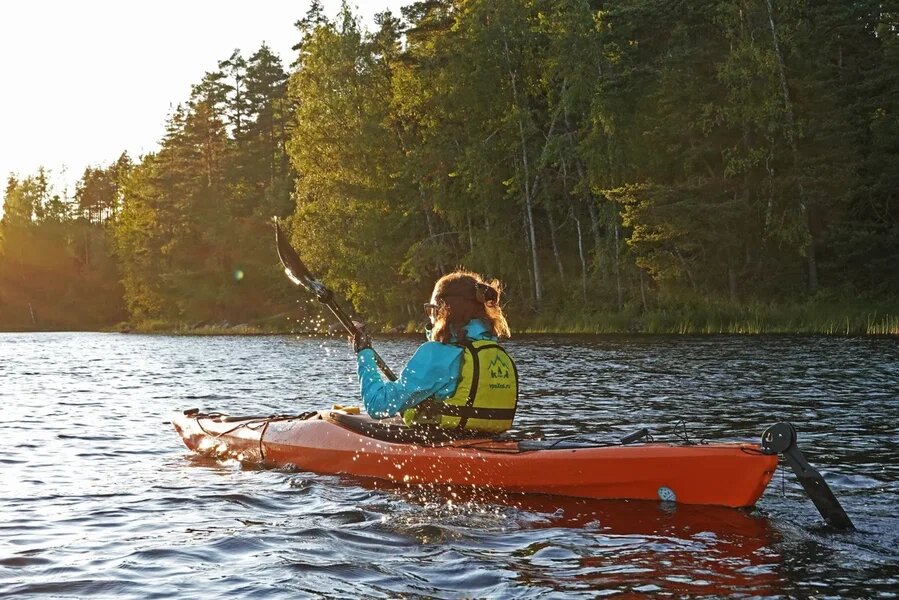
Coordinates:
724 474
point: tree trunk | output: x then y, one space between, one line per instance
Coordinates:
618 285
594 222
594 219
521 281
531 286
87 249
552 237
732 282
686 269
529 188
788 105
532 240
643 292
431 233
580 249
594 227
812 268
812 262
529 212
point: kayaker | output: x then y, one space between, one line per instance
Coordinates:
460 378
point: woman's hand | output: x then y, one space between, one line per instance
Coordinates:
361 340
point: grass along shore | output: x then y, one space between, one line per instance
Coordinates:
810 318
714 320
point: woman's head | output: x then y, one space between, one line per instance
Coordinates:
462 296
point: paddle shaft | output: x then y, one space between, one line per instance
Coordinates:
354 331
297 272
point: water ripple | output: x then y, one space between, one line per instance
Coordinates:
98 498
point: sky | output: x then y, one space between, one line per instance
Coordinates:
81 81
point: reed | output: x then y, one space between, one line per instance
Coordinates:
884 325
821 318
714 319
168 328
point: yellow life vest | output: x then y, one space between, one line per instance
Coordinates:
486 395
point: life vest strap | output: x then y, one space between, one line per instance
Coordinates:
473 390
474 412
475 349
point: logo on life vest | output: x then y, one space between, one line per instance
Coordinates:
498 369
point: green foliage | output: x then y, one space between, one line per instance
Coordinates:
56 269
193 234
188 225
639 165
351 219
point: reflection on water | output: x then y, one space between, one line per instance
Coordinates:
577 544
98 497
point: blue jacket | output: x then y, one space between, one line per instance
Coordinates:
433 371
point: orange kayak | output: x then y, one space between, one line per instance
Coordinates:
330 442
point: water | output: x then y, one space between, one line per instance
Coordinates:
99 498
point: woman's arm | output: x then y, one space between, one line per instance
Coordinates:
432 371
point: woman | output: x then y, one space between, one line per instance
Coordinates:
461 378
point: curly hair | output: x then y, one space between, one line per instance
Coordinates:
462 296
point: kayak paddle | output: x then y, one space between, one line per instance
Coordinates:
780 438
297 272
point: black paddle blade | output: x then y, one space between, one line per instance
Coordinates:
817 490
295 270
780 438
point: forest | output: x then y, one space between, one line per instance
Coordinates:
629 166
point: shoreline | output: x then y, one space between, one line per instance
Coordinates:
710 320
686 331
830 319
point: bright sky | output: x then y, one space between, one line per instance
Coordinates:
81 81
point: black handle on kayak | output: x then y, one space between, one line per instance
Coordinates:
780 438
635 436
297 272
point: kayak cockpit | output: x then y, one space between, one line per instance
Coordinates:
397 432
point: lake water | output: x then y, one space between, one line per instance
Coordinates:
99 498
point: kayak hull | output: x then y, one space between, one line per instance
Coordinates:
724 474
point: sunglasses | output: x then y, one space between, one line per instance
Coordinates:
430 309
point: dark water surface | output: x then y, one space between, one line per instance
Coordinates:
98 497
